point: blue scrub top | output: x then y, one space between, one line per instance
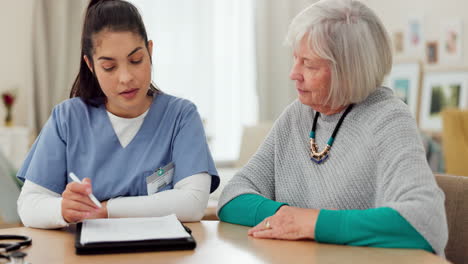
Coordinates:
80 138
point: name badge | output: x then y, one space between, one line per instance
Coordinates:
160 178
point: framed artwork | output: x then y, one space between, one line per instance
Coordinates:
405 79
414 38
442 90
451 41
432 52
398 38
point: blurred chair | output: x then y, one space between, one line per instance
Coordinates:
456 207
252 138
455 141
9 193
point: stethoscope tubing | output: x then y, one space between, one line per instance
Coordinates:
24 241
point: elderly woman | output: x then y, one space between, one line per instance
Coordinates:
344 163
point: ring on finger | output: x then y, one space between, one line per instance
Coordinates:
267 224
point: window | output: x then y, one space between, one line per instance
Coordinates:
204 51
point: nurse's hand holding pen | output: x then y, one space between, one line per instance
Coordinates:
76 204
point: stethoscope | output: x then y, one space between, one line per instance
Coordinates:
15 257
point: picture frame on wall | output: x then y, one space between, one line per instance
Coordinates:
442 90
451 41
404 79
398 39
432 52
414 37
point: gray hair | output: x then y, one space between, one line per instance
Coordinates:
353 39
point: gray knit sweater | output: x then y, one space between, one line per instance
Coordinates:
377 160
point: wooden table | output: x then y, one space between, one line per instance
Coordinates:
218 242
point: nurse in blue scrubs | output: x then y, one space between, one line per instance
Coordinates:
140 151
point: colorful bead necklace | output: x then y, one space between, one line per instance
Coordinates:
315 155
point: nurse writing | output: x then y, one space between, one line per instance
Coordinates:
140 151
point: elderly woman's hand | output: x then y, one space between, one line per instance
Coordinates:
289 223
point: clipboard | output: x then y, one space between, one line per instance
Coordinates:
187 243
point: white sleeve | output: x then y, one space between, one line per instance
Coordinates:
188 200
40 207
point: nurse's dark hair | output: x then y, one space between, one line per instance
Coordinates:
112 15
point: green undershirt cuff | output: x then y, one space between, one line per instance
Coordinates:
267 208
329 226
376 227
248 209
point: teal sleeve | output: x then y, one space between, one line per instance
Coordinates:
248 209
376 227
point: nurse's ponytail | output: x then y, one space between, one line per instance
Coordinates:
113 15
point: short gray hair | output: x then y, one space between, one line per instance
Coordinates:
353 39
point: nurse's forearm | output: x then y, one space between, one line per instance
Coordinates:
187 200
39 207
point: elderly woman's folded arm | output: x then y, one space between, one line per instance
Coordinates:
377 227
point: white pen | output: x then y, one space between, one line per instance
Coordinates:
91 196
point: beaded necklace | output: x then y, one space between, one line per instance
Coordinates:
315 155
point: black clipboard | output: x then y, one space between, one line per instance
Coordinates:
187 243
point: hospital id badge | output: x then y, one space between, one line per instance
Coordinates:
160 178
